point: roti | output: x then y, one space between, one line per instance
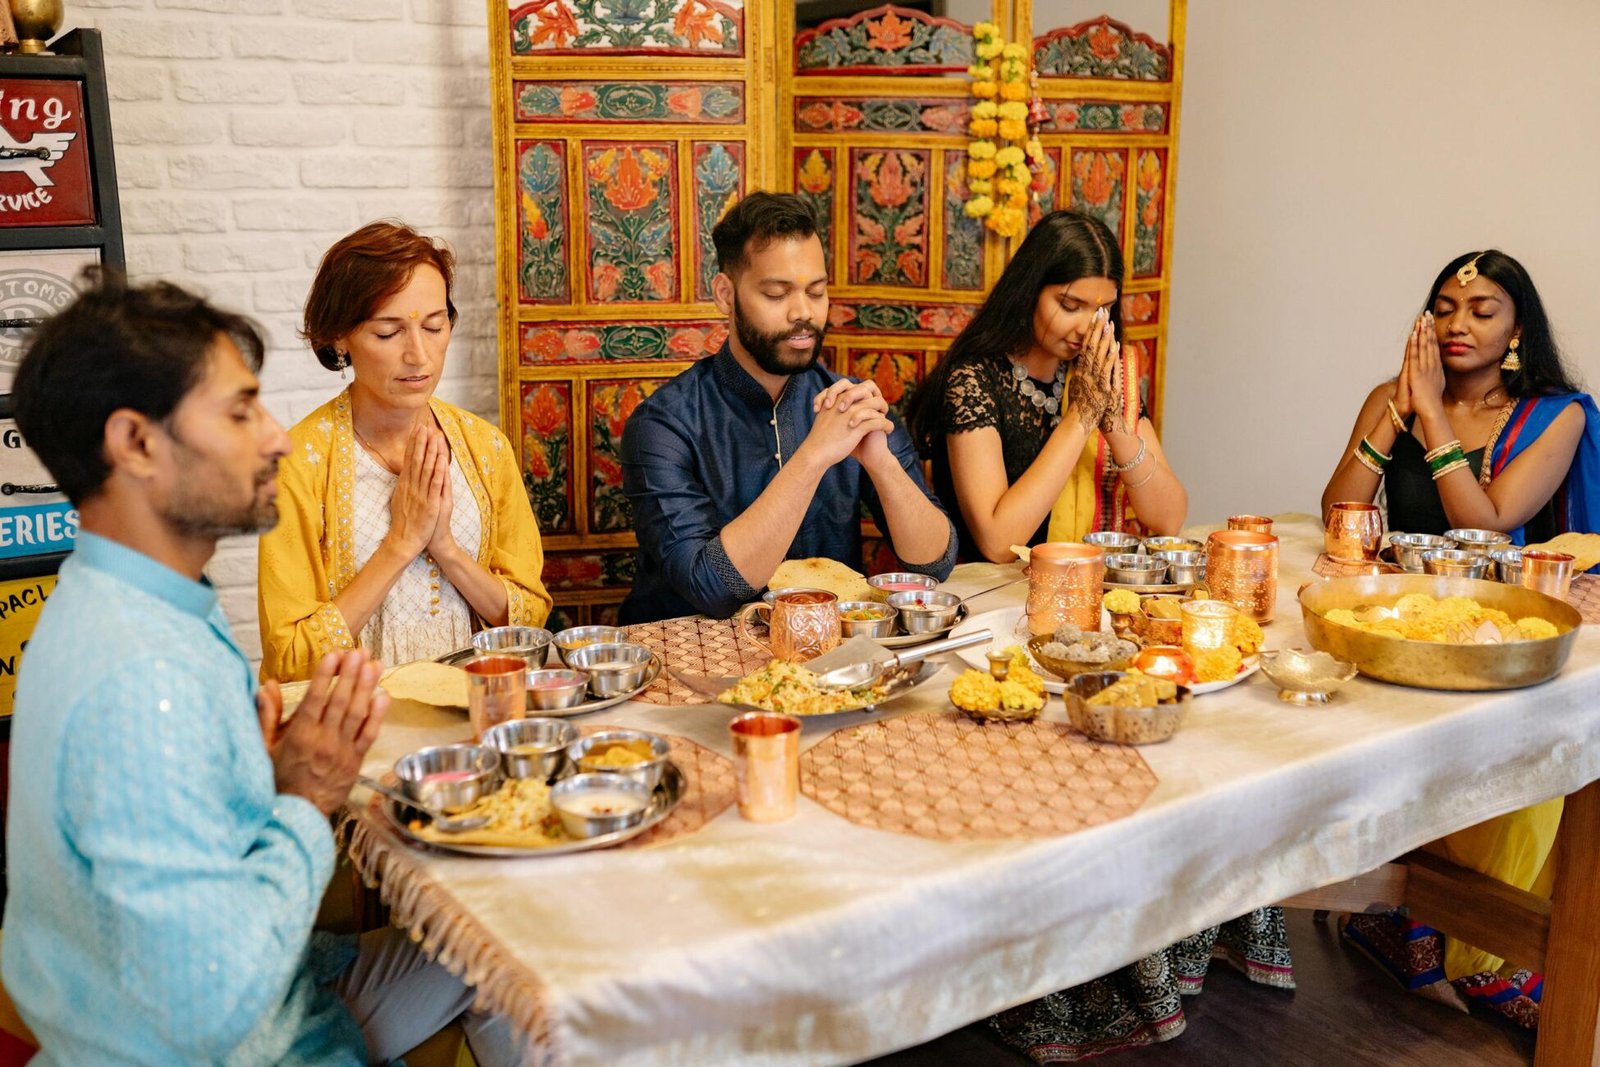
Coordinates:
1584 548
427 682
818 573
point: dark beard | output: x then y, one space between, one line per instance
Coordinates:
196 512
764 347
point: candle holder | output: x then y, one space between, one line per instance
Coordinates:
1064 586
1242 569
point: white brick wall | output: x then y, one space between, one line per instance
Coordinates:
251 134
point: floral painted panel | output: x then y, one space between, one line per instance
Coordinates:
639 27
547 453
1074 116
542 222
610 405
709 103
865 316
1140 309
587 570
1102 48
813 180
1099 180
632 243
882 41
962 266
889 233
895 372
718 183
1148 198
1043 186
881 116
587 342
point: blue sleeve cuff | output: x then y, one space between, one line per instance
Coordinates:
940 568
735 590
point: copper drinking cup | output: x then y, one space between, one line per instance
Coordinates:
766 764
1242 569
1354 531
1064 586
1250 523
801 624
1547 572
497 689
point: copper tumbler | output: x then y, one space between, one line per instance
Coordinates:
1252 523
1547 572
1064 586
1242 569
766 764
497 690
1355 530
801 624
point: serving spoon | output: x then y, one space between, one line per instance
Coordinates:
445 824
857 675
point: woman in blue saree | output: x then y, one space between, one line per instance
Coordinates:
1483 428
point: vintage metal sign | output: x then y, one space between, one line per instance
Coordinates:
44 154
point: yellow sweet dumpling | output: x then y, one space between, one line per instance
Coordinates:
1535 629
1246 634
1121 602
1022 671
975 690
1216 664
1453 620
1018 697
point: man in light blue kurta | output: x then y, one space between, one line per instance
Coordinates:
168 832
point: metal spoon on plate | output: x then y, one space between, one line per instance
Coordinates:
857 675
445 824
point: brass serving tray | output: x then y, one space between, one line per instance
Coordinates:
1430 664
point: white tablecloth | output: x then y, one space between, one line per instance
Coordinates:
817 941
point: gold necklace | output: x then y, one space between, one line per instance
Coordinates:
1486 469
372 451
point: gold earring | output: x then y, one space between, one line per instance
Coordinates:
1513 362
344 361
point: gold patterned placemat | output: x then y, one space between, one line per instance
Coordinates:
950 778
1584 595
695 645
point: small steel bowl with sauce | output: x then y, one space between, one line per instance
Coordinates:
900 582
576 637
866 618
1409 547
1115 541
1125 568
592 805
583 753
925 611
530 643
448 778
554 689
532 748
614 668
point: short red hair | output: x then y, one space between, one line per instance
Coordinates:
359 273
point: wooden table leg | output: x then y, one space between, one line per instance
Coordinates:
1569 1016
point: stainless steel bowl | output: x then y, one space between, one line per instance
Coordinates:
1479 541
1153 545
901 582
1455 563
1409 547
614 668
1430 664
880 625
531 643
551 690
448 778
1129 569
622 803
532 748
1507 564
1186 567
576 637
927 611
1123 725
647 774
1114 541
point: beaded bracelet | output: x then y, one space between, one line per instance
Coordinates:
1447 459
1455 465
1361 458
1394 417
1435 453
1137 459
1367 448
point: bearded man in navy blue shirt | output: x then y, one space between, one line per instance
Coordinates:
760 454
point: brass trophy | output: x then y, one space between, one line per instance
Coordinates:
35 23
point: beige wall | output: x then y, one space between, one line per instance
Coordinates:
1332 157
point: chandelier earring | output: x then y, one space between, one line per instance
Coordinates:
1513 362
344 362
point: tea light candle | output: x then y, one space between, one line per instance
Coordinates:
1207 624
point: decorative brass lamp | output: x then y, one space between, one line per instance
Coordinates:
36 22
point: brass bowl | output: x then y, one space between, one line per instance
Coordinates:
1306 678
1066 669
1430 664
1121 725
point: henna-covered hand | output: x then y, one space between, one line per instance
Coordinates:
1089 390
1122 413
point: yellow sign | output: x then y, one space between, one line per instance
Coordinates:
20 601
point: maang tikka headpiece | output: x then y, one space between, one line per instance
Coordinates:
1468 271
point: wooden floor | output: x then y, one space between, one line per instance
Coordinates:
1344 1012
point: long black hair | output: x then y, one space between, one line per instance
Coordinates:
1061 248
1543 371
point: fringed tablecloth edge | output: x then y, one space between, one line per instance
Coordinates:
434 919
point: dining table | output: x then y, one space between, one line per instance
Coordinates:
822 939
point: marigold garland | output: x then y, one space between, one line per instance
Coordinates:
999 175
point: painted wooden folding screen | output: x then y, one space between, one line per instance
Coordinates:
619 141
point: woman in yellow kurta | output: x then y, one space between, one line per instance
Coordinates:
1032 419
403 522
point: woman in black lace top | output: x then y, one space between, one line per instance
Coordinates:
1032 420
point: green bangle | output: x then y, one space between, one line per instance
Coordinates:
1440 462
1449 467
1373 454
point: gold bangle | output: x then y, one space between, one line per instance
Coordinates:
1447 468
1435 453
1394 417
1361 458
